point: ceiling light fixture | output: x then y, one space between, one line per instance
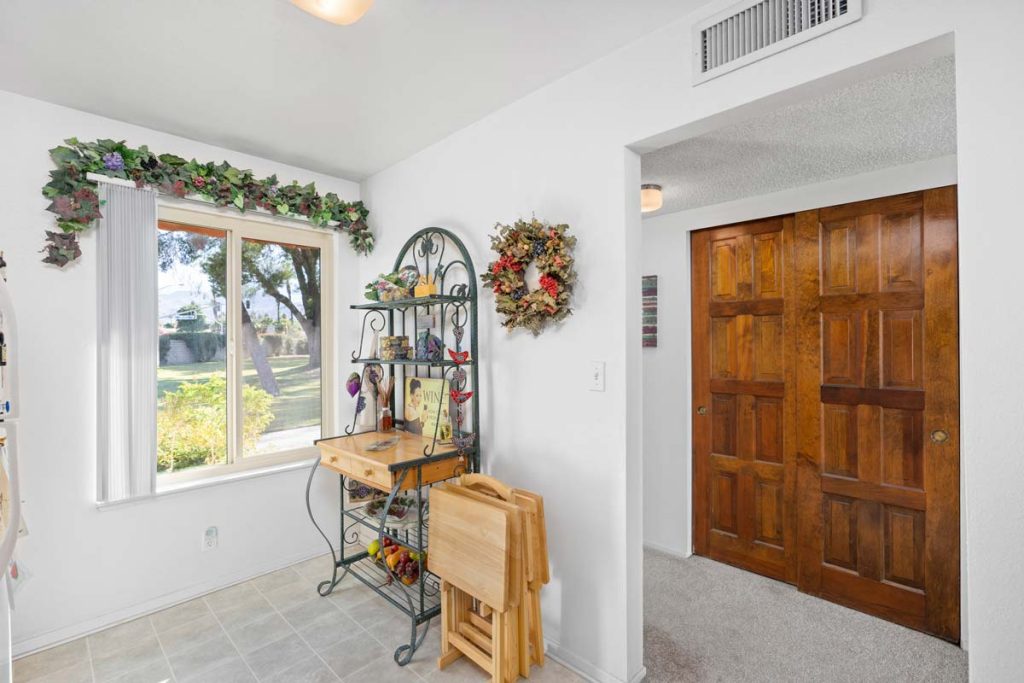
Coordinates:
343 12
650 197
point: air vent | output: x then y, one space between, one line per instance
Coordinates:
755 29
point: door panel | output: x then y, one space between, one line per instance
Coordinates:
877 345
744 387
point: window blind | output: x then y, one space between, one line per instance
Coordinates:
127 343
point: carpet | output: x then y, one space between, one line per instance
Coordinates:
707 621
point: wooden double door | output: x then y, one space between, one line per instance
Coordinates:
826 402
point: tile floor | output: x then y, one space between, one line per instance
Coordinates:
273 628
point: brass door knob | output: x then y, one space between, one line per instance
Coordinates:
701 410
940 436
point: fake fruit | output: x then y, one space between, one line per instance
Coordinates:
392 560
403 563
373 548
352 384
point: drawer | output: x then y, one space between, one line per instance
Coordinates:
370 473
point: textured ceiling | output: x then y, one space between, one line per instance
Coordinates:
900 118
263 77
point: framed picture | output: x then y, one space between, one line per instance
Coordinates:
649 294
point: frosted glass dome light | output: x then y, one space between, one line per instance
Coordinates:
342 12
650 197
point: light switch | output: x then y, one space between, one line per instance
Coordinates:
597 375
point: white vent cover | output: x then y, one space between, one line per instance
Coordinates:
755 29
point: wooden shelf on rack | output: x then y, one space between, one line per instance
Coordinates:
349 456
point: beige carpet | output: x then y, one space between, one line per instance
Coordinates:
707 621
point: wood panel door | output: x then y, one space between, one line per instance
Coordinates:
744 389
878 405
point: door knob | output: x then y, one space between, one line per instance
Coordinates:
940 436
701 410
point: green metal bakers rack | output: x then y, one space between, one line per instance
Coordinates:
455 304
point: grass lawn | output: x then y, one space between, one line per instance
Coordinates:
298 405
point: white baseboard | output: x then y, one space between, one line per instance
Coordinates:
668 551
64 634
582 668
640 675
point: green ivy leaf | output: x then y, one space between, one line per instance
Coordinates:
172 160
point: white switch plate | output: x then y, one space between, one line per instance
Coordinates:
210 538
597 375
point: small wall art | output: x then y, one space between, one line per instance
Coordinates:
649 292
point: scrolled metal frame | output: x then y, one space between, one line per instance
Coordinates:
426 250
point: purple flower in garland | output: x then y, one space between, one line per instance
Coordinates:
113 161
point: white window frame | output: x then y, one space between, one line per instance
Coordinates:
266 228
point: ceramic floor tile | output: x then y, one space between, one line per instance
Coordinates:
370 612
425 659
391 630
50 661
174 617
232 671
188 636
350 592
329 630
311 670
120 636
157 672
245 610
109 666
309 611
278 579
290 595
212 654
232 596
256 634
316 569
352 654
553 672
277 656
76 673
385 671
460 671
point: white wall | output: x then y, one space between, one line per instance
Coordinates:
667 389
558 153
87 568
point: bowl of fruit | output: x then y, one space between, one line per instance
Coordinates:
397 512
402 563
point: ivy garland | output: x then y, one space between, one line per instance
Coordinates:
550 247
73 197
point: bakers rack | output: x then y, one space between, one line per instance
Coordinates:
413 463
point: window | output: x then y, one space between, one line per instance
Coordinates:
244 319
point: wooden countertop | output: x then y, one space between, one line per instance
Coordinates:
408 448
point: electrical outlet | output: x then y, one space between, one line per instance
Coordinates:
597 375
210 538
